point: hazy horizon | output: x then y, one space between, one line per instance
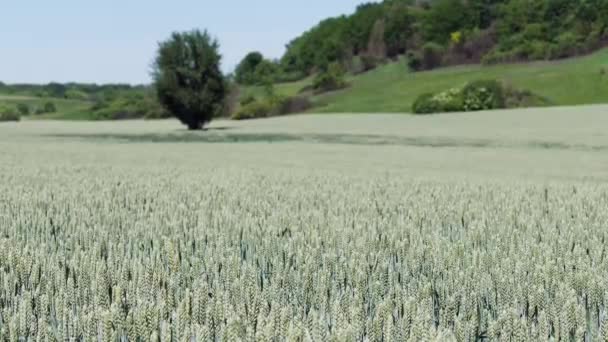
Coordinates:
115 42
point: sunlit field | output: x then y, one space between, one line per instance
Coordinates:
456 227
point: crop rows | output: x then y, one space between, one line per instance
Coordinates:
209 256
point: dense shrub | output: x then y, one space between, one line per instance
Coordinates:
294 104
447 101
475 96
23 109
245 70
429 57
50 107
355 65
483 95
425 104
9 114
188 80
330 79
414 60
74 94
566 44
370 62
275 106
515 98
254 110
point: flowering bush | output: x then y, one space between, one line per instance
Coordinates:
473 96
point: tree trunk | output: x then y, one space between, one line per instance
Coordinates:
195 126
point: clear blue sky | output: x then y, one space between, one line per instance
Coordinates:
115 40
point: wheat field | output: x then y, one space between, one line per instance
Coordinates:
472 227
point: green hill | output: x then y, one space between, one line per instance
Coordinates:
391 88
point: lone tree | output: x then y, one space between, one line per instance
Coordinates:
188 79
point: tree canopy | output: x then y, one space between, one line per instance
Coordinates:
188 79
467 30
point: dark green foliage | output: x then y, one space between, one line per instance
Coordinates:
330 79
491 30
432 55
49 107
398 28
370 62
333 40
244 72
9 114
188 79
443 18
231 102
265 72
414 60
254 69
425 104
23 109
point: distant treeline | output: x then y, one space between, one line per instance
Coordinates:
107 101
436 33
73 91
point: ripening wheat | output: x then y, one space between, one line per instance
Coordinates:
182 255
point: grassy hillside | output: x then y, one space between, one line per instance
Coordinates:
66 109
392 89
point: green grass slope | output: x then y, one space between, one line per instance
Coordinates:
66 109
392 88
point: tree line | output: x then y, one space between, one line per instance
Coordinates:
438 33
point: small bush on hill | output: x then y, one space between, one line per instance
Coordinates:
74 94
253 110
247 100
515 98
23 109
330 79
476 96
429 57
274 106
50 107
483 95
567 44
425 104
294 104
9 114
